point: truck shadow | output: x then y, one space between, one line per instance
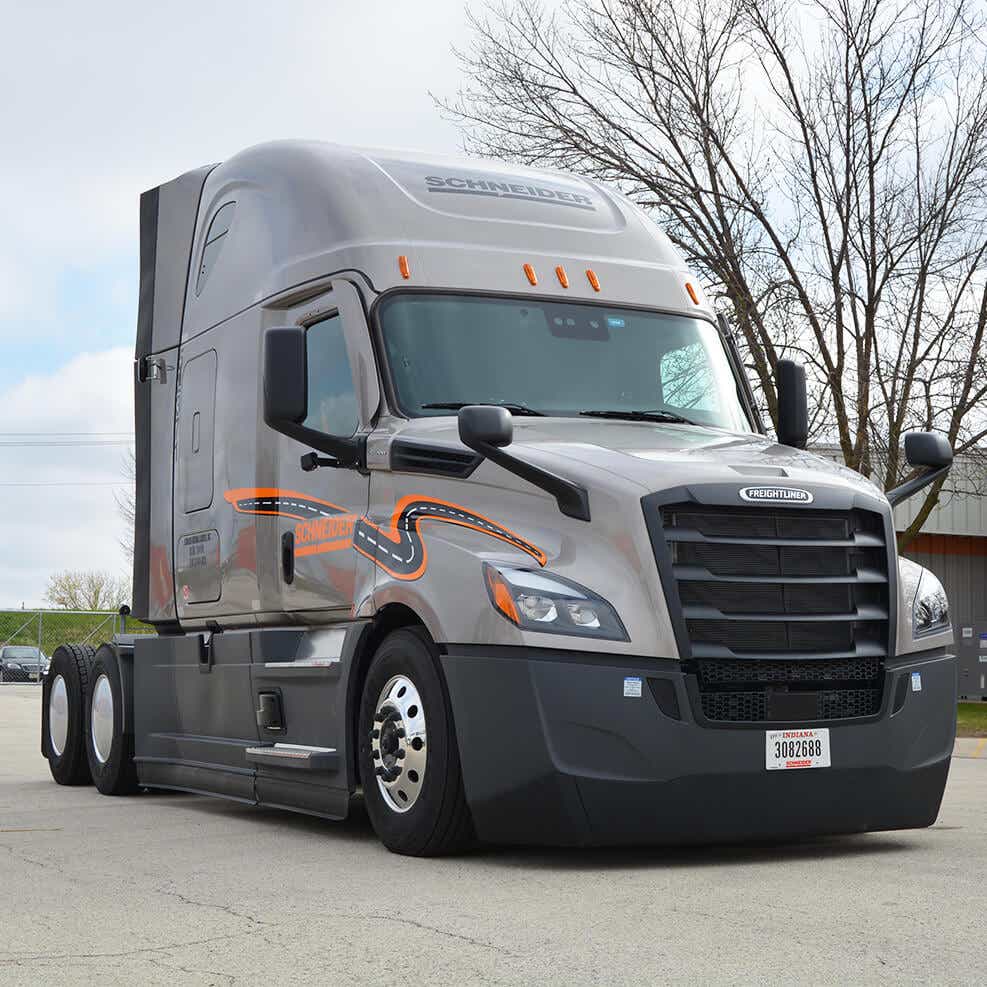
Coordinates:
356 829
691 857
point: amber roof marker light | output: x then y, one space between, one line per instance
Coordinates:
692 293
529 273
404 267
593 280
562 276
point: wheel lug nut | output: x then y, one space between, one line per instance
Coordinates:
375 734
376 755
399 755
399 732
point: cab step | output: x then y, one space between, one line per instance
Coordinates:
299 756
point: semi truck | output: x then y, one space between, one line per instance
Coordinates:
453 495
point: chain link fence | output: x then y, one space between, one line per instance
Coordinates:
28 637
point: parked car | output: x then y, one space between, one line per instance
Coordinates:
22 663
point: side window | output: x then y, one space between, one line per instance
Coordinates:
332 406
215 238
687 379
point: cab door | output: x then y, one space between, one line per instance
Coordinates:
318 568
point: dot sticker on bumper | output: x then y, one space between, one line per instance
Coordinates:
632 688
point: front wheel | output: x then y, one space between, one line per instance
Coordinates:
409 758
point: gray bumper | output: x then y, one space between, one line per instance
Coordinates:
553 753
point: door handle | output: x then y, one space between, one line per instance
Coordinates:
288 556
270 717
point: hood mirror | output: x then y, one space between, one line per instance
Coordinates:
923 449
928 449
488 428
486 423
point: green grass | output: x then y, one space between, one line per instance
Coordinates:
61 627
971 720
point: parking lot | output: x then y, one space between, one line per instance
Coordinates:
176 889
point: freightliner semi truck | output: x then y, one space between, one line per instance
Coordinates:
451 491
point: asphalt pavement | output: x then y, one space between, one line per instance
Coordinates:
181 889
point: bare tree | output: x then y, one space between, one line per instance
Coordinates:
86 590
822 164
127 503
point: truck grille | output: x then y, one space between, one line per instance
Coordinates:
785 610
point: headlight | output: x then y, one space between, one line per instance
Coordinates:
536 601
930 611
14 666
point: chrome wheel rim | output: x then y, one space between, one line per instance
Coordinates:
58 715
102 719
398 743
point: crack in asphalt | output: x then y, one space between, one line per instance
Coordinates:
123 954
227 909
435 929
192 970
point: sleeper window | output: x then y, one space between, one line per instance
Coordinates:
215 238
332 404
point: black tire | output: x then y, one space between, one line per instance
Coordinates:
117 774
72 663
439 821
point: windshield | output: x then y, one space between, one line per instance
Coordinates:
555 358
15 652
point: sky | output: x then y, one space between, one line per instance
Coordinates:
102 101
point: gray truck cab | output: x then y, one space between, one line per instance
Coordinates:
452 490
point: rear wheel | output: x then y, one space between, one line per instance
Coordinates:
409 759
64 698
110 751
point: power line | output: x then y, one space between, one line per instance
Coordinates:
65 483
63 443
122 432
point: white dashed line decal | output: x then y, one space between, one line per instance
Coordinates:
400 550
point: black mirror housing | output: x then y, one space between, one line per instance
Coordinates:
793 404
923 449
285 373
928 449
486 424
285 377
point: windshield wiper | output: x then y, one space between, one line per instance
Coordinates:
514 409
641 416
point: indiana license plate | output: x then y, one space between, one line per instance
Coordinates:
787 750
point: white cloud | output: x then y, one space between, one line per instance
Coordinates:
74 525
104 100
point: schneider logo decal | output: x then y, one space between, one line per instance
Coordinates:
776 495
398 549
508 190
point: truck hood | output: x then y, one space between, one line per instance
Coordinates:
651 455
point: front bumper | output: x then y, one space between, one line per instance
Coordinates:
553 753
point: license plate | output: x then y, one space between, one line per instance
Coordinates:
788 750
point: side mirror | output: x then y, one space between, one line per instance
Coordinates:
486 424
488 428
928 449
285 377
923 449
285 373
793 404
